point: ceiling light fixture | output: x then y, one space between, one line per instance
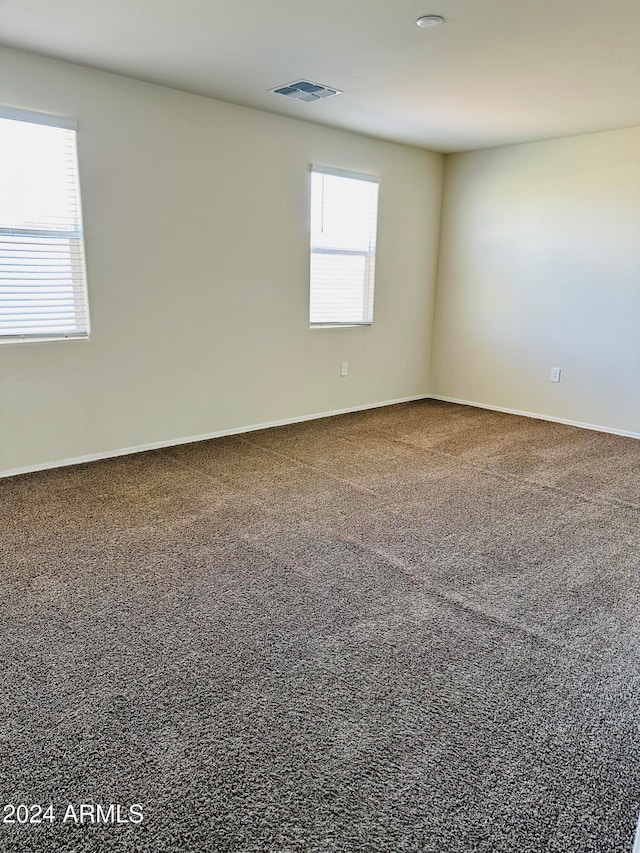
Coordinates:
430 21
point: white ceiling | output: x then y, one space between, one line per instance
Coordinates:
498 71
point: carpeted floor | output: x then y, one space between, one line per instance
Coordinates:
409 629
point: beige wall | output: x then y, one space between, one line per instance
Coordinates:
196 222
540 267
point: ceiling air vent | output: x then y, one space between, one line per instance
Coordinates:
302 90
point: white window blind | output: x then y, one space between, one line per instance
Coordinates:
344 214
42 271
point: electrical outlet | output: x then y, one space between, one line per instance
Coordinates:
555 374
344 369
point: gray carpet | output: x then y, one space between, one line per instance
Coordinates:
409 629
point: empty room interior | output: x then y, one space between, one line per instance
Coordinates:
319 421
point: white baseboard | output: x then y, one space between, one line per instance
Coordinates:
537 416
173 442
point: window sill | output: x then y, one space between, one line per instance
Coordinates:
42 339
339 325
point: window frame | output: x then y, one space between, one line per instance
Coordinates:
369 255
79 271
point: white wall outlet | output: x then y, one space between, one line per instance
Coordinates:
555 374
344 369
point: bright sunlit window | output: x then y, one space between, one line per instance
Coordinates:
42 272
344 213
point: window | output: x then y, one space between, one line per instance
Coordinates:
344 213
42 274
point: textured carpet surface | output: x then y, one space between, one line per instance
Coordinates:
410 629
